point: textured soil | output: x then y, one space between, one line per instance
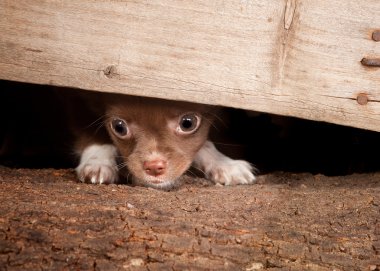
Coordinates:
49 221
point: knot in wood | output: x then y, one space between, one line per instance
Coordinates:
362 99
110 71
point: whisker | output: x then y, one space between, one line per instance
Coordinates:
121 165
101 118
192 173
100 125
227 144
218 119
99 122
197 168
128 177
212 124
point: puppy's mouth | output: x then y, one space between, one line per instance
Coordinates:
155 183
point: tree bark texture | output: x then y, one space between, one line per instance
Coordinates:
49 221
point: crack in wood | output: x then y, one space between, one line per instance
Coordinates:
290 10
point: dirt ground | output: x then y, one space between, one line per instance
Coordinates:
49 221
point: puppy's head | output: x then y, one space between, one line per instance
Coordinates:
157 139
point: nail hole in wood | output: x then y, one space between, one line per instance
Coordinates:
371 62
376 35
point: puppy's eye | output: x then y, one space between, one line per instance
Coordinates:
188 123
120 128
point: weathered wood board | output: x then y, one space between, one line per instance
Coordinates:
298 57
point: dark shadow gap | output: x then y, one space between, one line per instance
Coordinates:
34 134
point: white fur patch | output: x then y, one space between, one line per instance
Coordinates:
222 169
98 164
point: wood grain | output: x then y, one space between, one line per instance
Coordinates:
295 58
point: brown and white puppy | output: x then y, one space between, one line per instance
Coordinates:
157 141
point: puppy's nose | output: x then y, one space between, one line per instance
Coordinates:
155 167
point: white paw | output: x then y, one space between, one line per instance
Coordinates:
230 172
97 165
97 173
221 169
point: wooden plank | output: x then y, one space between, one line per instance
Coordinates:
295 58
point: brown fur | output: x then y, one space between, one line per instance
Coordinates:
148 119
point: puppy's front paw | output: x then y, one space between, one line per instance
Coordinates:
97 173
221 169
230 172
97 165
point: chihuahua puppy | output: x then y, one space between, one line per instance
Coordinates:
151 141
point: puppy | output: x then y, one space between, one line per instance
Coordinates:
151 141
